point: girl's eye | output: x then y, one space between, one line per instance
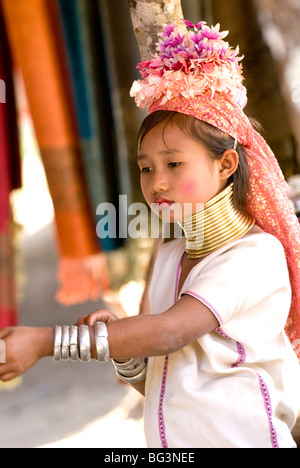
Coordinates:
145 170
174 164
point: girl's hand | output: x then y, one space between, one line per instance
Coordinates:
24 346
99 316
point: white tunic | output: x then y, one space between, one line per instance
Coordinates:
238 386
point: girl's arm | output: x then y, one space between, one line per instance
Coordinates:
156 335
153 335
140 336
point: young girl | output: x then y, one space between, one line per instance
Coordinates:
212 358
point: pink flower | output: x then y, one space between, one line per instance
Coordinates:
213 33
189 24
208 67
168 30
193 26
188 65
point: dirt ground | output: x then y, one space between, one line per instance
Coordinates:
64 405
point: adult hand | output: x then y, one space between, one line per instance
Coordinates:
24 346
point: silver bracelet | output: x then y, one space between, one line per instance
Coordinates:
74 352
84 343
57 343
65 343
130 364
131 371
134 379
101 341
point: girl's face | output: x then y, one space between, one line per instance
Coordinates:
176 169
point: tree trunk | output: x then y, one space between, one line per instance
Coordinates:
148 16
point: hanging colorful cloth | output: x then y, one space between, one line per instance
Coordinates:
9 179
82 29
35 37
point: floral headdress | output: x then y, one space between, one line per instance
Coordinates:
200 75
187 65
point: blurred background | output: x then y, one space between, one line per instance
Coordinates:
67 144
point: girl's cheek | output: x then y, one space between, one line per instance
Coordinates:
145 193
189 187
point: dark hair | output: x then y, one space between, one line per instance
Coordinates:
216 142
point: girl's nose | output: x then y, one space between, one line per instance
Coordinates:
159 183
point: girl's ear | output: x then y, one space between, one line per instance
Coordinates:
228 164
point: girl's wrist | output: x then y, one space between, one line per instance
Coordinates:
46 340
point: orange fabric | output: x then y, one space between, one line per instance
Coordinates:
34 48
34 33
75 228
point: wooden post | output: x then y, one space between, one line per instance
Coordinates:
148 16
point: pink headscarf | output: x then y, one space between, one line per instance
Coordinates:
268 200
198 74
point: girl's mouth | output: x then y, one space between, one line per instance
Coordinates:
162 203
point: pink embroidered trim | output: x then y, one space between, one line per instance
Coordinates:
240 348
178 271
268 407
242 354
207 304
161 421
162 429
263 387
